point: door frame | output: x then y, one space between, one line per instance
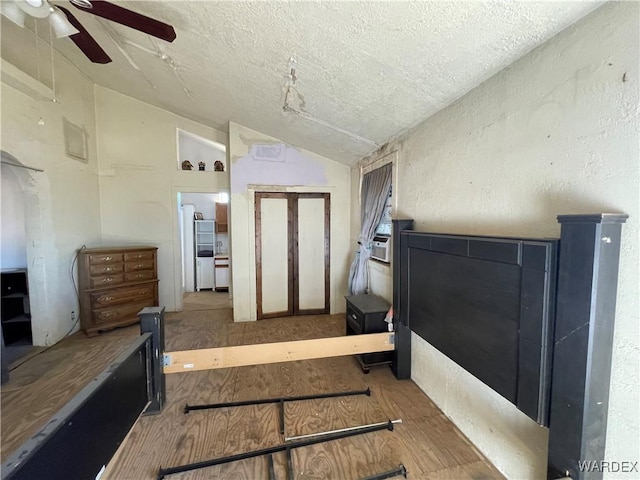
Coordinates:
293 307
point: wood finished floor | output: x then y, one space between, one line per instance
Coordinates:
427 443
205 300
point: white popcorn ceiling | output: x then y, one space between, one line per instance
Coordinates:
364 70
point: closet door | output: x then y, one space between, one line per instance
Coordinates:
311 258
274 267
292 253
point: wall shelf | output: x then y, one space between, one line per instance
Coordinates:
16 313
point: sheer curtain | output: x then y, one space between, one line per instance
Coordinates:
375 189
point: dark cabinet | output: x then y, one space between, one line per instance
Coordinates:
366 314
16 315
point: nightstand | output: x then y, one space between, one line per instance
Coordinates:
365 314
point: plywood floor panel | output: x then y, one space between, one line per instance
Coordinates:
399 397
427 443
45 383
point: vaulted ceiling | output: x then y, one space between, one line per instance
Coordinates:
363 72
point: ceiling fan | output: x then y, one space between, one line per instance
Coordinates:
66 25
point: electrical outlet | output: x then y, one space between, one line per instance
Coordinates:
73 315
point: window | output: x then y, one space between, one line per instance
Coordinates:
385 227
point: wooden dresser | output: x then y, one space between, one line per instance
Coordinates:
114 285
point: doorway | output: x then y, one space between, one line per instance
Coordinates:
204 241
15 311
292 253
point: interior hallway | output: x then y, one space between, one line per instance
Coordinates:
427 443
205 300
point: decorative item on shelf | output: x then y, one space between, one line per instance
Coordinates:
186 165
218 166
197 216
201 166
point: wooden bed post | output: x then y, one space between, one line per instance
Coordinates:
401 365
586 301
152 321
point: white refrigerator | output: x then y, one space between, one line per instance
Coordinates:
187 244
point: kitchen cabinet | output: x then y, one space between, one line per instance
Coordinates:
204 273
221 266
114 285
222 210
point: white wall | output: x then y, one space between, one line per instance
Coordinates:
13 236
62 202
204 203
554 133
140 180
293 170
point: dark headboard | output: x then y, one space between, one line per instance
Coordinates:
491 304
488 304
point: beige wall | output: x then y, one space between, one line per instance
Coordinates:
62 209
140 180
293 170
554 133
127 197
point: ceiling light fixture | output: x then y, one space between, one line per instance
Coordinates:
17 10
61 25
35 8
13 13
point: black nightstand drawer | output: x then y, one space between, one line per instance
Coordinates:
354 321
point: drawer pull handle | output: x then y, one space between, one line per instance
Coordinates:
140 275
107 314
139 266
107 280
108 299
107 258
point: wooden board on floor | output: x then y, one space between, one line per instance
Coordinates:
245 355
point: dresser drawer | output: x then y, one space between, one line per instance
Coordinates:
119 313
140 276
106 280
98 258
136 294
105 269
133 256
138 265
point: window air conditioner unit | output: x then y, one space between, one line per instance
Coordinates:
381 248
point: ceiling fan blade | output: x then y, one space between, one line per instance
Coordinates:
85 42
130 19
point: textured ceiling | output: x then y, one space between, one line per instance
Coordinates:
365 71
